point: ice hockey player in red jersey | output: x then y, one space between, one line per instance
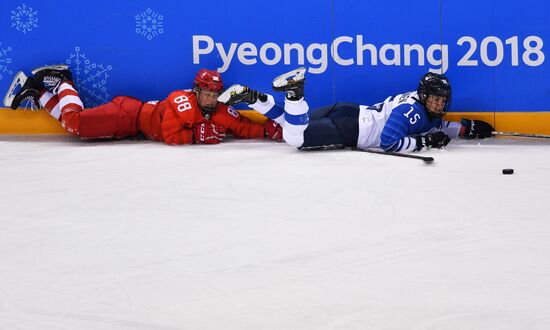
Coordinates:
184 117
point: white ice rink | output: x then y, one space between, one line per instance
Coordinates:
258 235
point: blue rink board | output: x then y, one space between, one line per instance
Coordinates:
146 48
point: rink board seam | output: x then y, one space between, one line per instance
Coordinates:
40 122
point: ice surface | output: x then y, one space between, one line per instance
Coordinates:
258 235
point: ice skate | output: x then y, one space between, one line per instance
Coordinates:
23 90
238 93
292 83
51 76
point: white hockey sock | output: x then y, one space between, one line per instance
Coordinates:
269 109
296 122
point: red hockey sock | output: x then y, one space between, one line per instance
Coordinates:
71 106
50 102
68 97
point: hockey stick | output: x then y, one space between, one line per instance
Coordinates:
542 136
426 159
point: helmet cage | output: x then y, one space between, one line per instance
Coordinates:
437 85
207 80
205 109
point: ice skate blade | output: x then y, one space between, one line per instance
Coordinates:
53 67
294 75
231 91
19 80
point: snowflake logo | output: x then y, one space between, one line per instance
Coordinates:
91 78
5 59
149 24
24 19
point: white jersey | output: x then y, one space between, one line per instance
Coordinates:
408 119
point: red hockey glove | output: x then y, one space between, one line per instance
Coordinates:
208 133
273 131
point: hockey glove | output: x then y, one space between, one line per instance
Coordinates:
475 129
208 133
432 140
273 131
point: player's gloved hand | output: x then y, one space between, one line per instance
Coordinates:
472 129
208 133
432 140
273 131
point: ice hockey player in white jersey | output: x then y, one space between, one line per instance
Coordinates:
406 122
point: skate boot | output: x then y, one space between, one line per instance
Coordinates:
292 83
52 76
23 91
238 93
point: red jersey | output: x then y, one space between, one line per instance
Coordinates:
172 119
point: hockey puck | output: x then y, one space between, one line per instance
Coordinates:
507 171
